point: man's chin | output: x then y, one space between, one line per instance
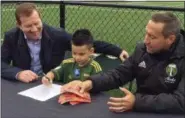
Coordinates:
149 51
34 38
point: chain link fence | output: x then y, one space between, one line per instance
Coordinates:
121 25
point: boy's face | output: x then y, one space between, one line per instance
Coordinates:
81 54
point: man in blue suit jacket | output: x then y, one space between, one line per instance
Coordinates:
33 47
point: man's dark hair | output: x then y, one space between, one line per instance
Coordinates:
171 23
82 37
24 9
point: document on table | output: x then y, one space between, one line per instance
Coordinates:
42 92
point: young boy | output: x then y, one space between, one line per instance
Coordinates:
81 65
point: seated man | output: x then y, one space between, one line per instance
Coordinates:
34 47
158 65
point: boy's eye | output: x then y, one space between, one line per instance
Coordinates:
81 54
36 24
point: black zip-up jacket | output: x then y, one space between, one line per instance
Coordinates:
160 78
54 43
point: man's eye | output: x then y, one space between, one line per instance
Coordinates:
81 54
28 26
152 37
36 24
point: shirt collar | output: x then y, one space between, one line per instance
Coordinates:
32 40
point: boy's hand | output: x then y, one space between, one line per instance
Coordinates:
46 81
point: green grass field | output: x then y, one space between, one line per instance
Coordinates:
123 27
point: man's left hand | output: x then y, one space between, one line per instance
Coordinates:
124 55
122 104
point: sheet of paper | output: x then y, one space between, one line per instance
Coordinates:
42 92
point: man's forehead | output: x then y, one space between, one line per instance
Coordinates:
155 26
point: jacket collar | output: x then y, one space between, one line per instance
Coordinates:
178 48
46 47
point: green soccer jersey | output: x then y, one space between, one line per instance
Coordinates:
69 70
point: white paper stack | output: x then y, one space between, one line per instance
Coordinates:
42 92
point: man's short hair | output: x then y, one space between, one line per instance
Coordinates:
82 37
171 23
24 9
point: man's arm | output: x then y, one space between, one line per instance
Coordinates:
7 71
162 103
100 46
107 48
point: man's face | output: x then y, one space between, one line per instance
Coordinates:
81 54
31 25
154 39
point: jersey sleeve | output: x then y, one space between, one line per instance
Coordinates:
96 67
58 72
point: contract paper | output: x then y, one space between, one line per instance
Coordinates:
42 92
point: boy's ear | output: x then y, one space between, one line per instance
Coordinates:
92 50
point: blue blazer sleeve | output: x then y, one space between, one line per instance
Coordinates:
7 71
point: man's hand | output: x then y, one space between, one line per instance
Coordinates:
86 86
27 76
78 85
122 104
124 55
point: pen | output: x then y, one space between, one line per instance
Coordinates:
47 78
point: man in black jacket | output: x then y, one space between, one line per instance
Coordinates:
33 47
158 65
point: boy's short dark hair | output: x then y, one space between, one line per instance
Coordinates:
82 37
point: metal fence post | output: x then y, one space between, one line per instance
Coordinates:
62 14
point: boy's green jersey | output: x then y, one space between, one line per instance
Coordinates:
69 70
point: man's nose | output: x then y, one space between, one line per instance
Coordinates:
33 29
146 40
